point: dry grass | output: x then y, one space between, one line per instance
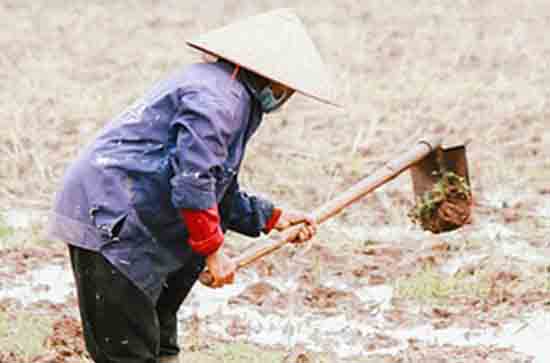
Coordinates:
236 352
23 333
432 286
403 69
32 235
494 281
463 69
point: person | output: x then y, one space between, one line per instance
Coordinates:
145 206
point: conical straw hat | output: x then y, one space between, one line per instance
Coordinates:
276 46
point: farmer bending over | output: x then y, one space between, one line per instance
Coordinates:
144 208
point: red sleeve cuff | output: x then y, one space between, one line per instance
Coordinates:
205 234
209 245
272 222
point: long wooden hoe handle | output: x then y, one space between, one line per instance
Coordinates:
331 208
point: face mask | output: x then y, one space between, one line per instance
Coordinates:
268 101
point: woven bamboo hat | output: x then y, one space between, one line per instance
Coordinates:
276 46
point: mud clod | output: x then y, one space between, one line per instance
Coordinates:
66 341
446 207
324 298
260 294
10 357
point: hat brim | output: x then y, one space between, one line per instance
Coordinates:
317 98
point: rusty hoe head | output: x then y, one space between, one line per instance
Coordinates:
441 184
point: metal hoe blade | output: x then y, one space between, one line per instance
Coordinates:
426 172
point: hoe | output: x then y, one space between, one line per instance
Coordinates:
441 186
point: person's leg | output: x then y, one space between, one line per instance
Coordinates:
173 294
119 322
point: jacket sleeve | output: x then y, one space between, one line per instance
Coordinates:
203 127
251 215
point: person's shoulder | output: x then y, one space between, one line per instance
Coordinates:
211 85
215 79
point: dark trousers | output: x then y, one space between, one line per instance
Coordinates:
120 323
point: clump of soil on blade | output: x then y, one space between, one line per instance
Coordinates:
446 207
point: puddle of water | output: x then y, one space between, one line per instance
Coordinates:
385 234
497 232
315 332
343 334
452 266
51 283
499 197
544 211
348 337
529 337
204 301
524 251
380 295
20 218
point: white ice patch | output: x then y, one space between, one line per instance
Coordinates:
51 283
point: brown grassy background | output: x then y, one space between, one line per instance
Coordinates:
464 69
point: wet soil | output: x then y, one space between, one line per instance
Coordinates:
328 294
65 343
446 207
410 76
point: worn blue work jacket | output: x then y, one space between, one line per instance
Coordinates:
180 146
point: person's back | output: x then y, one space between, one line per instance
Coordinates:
126 172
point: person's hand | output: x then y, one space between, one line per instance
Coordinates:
290 218
222 268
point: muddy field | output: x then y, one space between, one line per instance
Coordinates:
371 287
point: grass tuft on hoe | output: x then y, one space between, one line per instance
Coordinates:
445 207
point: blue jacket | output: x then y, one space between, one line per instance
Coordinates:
180 146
